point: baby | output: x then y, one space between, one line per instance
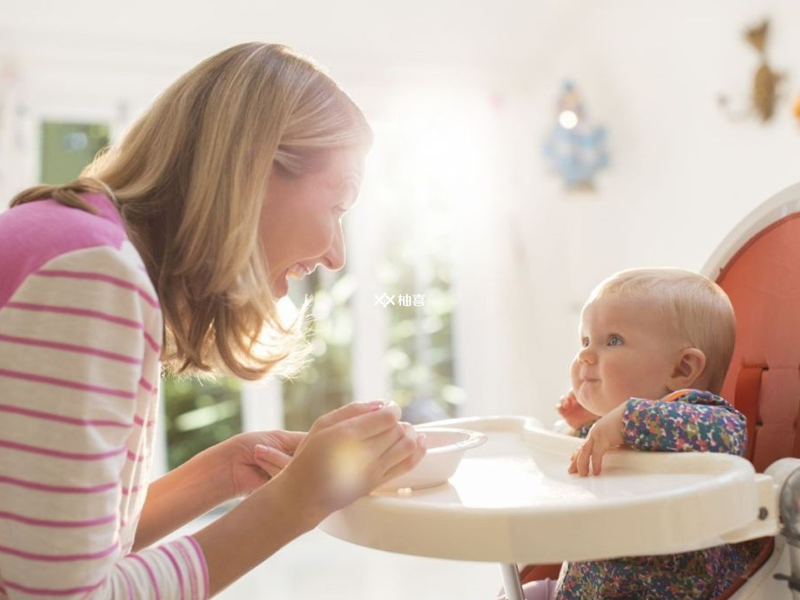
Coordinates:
655 348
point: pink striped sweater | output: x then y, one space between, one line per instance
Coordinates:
80 334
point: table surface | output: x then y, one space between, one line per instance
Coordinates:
512 500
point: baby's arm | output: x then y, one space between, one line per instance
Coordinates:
699 421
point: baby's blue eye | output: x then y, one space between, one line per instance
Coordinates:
615 340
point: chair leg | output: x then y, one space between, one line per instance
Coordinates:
511 582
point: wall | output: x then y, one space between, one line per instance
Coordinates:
683 173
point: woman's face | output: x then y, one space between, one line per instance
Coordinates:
301 218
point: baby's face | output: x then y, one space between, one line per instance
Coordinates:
627 350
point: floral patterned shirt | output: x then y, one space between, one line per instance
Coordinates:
684 421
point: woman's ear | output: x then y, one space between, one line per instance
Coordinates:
690 366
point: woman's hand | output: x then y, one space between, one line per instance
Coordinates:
575 415
348 453
603 436
257 456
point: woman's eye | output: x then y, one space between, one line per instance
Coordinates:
615 340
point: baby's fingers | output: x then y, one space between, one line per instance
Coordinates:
580 460
597 458
573 463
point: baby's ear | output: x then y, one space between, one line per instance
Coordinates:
691 364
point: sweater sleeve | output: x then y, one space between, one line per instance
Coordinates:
78 342
694 421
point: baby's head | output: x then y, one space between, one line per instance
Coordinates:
647 332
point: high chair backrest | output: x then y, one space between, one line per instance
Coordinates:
758 265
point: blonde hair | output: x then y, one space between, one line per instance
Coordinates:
190 177
699 309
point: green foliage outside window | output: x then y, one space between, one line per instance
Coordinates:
199 414
420 345
68 147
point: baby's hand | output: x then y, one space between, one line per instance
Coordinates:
603 436
572 412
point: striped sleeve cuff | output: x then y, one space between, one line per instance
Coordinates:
175 570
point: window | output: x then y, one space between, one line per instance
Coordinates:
68 147
199 414
416 268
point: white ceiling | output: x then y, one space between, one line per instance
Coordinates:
475 34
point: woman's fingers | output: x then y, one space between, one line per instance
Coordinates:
349 411
271 455
417 452
380 443
268 468
370 424
348 453
402 447
271 460
290 440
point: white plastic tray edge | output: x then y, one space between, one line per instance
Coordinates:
766 524
724 508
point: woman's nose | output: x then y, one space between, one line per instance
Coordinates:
336 255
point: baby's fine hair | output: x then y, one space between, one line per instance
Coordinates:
699 308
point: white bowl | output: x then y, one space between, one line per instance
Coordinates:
445 448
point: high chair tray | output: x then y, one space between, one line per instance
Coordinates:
512 500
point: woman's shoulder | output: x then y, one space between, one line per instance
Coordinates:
34 234
43 224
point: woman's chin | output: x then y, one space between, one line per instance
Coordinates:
279 287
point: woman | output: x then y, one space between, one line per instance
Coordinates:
173 249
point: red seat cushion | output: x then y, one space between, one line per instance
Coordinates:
763 283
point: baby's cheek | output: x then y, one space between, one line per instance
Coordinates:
574 372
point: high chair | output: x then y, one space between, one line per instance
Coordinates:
758 266
511 501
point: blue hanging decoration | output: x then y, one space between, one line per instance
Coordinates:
575 147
